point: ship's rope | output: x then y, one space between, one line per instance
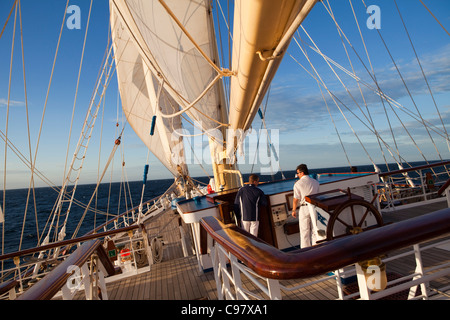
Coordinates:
33 162
407 89
38 173
381 95
336 100
334 97
392 103
229 38
423 73
111 157
192 104
77 87
326 104
269 141
9 16
369 116
28 135
153 67
372 74
221 72
434 17
49 86
7 126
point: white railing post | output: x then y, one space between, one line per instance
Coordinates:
214 251
274 289
420 271
223 270
236 278
422 182
340 288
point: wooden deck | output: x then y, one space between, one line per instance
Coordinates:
179 278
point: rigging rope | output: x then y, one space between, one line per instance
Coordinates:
328 108
434 17
151 66
336 99
407 89
29 137
423 72
7 19
369 118
77 87
111 157
333 97
221 72
7 124
373 76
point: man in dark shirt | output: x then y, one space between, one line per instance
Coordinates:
247 202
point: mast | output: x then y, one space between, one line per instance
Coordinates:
224 169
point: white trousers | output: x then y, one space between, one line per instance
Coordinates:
307 236
251 227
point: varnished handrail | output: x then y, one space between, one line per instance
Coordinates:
48 286
443 187
269 262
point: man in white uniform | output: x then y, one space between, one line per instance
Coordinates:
303 187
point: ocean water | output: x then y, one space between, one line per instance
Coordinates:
46 197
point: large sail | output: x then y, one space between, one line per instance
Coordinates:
176 41
258 48
141 94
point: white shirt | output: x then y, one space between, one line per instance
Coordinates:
304 187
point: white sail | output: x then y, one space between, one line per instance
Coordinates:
141 95
176 41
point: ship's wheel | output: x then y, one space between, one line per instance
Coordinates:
353 217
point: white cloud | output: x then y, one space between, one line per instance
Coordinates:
12 103
295 106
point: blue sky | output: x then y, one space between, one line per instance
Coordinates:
295 108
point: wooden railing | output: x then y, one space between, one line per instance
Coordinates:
66 243
150 208
24 271
270 263
47 287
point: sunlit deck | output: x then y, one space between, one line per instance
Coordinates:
179 278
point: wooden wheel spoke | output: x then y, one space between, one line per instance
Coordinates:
343 222
353 215
364 217
355 226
